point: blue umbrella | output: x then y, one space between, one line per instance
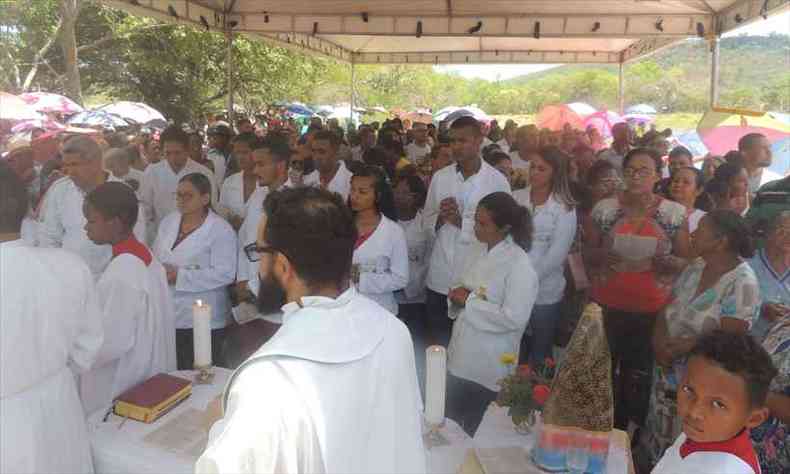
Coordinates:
781 157
641 109
693 142
469 111
299 109
98 118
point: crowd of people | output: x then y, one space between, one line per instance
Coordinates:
482 239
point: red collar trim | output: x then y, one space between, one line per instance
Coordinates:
133 247
740 446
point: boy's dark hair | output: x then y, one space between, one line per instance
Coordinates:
14 200
329 136
115 199
466 122
315 230
741 355
175 134
249 138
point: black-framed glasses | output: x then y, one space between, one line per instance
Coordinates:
254 252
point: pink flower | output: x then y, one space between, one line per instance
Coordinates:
549 362
541 394
524 370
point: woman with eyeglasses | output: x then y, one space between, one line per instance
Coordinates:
199 251
380 266
638 240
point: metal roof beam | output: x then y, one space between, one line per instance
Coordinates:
489 57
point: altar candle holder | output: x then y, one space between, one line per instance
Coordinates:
435 394
201 339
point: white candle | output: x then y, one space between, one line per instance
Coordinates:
201 334
435 384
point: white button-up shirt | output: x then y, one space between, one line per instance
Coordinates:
340 183
450 240
231 198
554 228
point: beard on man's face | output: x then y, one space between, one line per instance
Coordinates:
271 295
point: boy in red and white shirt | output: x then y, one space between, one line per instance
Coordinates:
721 397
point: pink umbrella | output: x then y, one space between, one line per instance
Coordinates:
555 117
51 103
29 125
720 129
14 108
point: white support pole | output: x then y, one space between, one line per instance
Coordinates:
351 103
621 89
714 71
229 72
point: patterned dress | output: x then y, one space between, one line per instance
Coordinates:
772 439
735 295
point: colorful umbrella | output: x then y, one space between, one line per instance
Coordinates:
15 109
582 109
721 129
44 124
443 113
136 112
641 109
419 116
49 102
98 118
555 117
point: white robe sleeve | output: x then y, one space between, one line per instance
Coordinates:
397 276
557 253
119 318
221 270
51 231
521 290
248 233
273 435
431 208
88 333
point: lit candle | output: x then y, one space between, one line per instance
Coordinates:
201 334
435 384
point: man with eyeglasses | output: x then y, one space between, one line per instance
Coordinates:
335 390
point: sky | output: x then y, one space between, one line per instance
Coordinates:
775 24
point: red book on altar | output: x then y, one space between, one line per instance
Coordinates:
153 398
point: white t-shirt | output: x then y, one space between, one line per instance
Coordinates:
415 152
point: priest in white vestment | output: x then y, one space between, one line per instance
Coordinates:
62 221
137 310
49 326
335 390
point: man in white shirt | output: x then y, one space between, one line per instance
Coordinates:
50 324
449 210
238 187
527 143
117 161
508 140
621 145
757 157
419 148
335 390
270 162
219 152
158 191
331 173
367 140
134 299
62 221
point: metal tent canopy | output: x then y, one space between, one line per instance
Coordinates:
468 31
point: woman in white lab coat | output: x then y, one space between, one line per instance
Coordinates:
491 302
549 201
381 259
198 249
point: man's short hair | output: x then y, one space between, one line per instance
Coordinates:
466 122
327 135
749 140
741 355
174 134
85 147
279 150
118 154
249 138
315 230
115 199
14 200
